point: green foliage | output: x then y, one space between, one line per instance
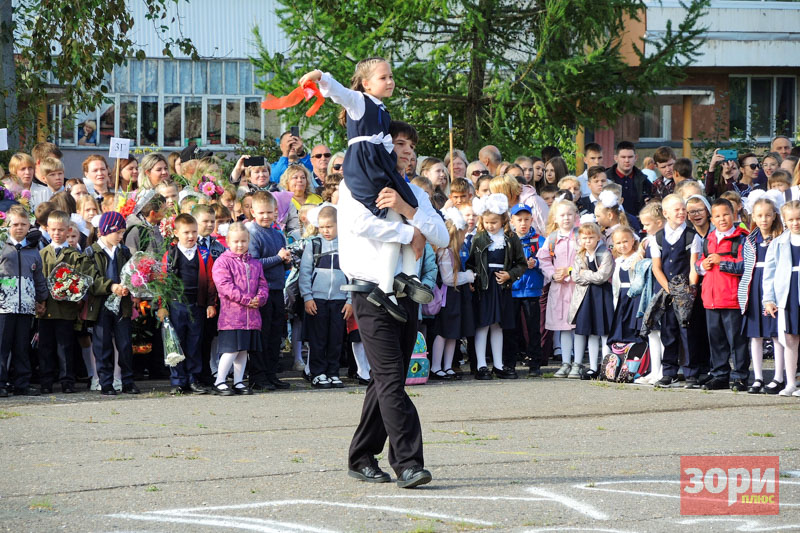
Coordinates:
79 42
518 74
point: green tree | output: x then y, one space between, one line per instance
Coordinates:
518 74
77 41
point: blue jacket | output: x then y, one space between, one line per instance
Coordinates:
279 167
265 243
531 282
777 271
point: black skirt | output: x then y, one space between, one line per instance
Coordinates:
237 340
457 318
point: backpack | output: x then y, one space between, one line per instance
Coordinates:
626 362
689 234
439 300
551 245
736 244
291 292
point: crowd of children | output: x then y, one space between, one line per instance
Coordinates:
537 267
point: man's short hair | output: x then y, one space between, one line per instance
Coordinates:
264 197
624 145
683 167
43 211
184 219
57 216
51 164
664 154
203 209
594 171
398 127
46 149
459 185
592 147
723 202
328 213
155 204
19 211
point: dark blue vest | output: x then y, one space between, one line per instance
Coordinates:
112 272
676 258
188 271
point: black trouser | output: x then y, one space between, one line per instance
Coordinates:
56 353
727 342
15 342
263 365
325 334
674 338
387 411
526 309
112 329
699 350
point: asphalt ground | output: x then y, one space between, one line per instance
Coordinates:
525 455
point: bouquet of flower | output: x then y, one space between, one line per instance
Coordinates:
207 184
173 353
167 228
3 230
145 276
67 285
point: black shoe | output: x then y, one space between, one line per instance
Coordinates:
306 377
179 391
46 389
739 385
666 382
27 391
108 390
222 392
370 474
588 373
413 288
278 384
483 374
704 379
505 373
439 375
774 387
243 390
379 298
717 384
362 381
691 383
262 387
3 392
195 388
455 376
131 388
757 387
412 477
68 388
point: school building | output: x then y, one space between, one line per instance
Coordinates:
745 79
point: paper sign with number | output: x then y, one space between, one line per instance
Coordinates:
3 139
119 148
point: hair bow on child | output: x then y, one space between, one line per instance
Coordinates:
494 203
608 199
775 196
588 218
313 215
305 92
454 215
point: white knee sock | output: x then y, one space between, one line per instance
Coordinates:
389 254
436 353
497 345
594 351
757 355
361 360
239 365
409 260
778 351
567 339
224 367
481 335
449 352
790 359
656 350
579 347
605 348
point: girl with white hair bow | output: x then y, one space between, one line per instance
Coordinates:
498 261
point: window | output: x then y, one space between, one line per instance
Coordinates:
762 106
655 124
168 103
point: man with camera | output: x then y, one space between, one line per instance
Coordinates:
292 151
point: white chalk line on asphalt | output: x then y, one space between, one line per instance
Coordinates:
227 522
658 494
583 508
746 524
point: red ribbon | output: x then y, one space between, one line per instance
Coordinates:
308 91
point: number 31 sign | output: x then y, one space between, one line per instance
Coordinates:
119 148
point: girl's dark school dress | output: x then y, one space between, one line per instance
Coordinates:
237 340
754 324
792 311
368 167
594 314
495 304
457 318
625 324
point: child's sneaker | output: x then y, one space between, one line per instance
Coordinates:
563 371
575 372
666 382
321 382
117 385
95 384
336 383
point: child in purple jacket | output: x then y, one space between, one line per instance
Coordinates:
242 289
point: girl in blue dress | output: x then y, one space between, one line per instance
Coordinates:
625 325
756 324
370 166
592 299
782 293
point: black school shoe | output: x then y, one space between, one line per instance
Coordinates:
278 384
717 384
370 474
413 288
3 392
774 387
130 388
413 476
483 374
739 385
108 390
379 298
505 373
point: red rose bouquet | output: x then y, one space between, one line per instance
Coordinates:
207 184
145 276
67 285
